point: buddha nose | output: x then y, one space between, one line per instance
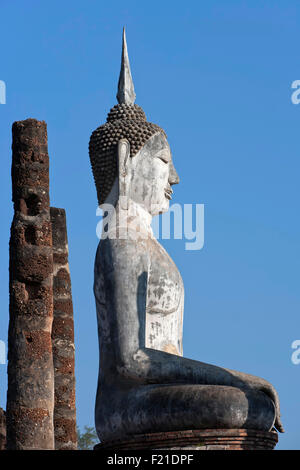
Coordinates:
173 176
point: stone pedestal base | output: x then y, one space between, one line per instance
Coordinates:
208 439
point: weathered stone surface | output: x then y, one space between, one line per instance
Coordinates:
63 338
30 396
2 430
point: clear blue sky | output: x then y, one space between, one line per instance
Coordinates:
217 77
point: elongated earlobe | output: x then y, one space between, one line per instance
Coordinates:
124 171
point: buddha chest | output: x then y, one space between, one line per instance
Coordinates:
165 299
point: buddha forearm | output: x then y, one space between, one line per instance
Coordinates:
153 366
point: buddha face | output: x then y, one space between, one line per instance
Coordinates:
152 175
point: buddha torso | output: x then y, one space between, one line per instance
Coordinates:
162 322
165 302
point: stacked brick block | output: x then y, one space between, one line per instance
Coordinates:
41 382
197 439
63 338
30 396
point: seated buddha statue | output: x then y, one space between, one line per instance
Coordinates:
145 384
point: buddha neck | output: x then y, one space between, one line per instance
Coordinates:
129 217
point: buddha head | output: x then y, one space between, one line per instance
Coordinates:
130 156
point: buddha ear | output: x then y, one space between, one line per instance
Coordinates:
124 163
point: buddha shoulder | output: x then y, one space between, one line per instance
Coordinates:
122 255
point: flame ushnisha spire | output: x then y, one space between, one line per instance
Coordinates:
126 93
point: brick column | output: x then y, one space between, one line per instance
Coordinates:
2 430
30 396
63 338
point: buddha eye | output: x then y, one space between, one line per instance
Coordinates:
164 156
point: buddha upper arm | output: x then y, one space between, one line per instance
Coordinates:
124 266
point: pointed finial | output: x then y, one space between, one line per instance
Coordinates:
126 92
